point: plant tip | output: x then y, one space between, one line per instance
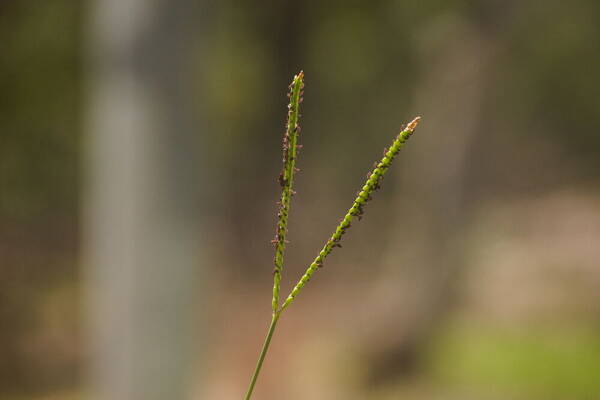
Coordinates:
413 124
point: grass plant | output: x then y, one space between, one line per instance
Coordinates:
286 180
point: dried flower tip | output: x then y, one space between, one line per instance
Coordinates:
413 124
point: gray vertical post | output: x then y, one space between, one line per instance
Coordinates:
141 224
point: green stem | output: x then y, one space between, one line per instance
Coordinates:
263 353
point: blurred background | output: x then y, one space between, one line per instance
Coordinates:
475 273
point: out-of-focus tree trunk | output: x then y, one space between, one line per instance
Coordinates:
142 200
426 250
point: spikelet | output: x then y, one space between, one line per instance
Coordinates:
286 180
357 209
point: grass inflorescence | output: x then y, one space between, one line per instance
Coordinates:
286 180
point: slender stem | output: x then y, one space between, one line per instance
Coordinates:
263 353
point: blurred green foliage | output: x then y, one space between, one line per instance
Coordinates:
39 108
535 363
